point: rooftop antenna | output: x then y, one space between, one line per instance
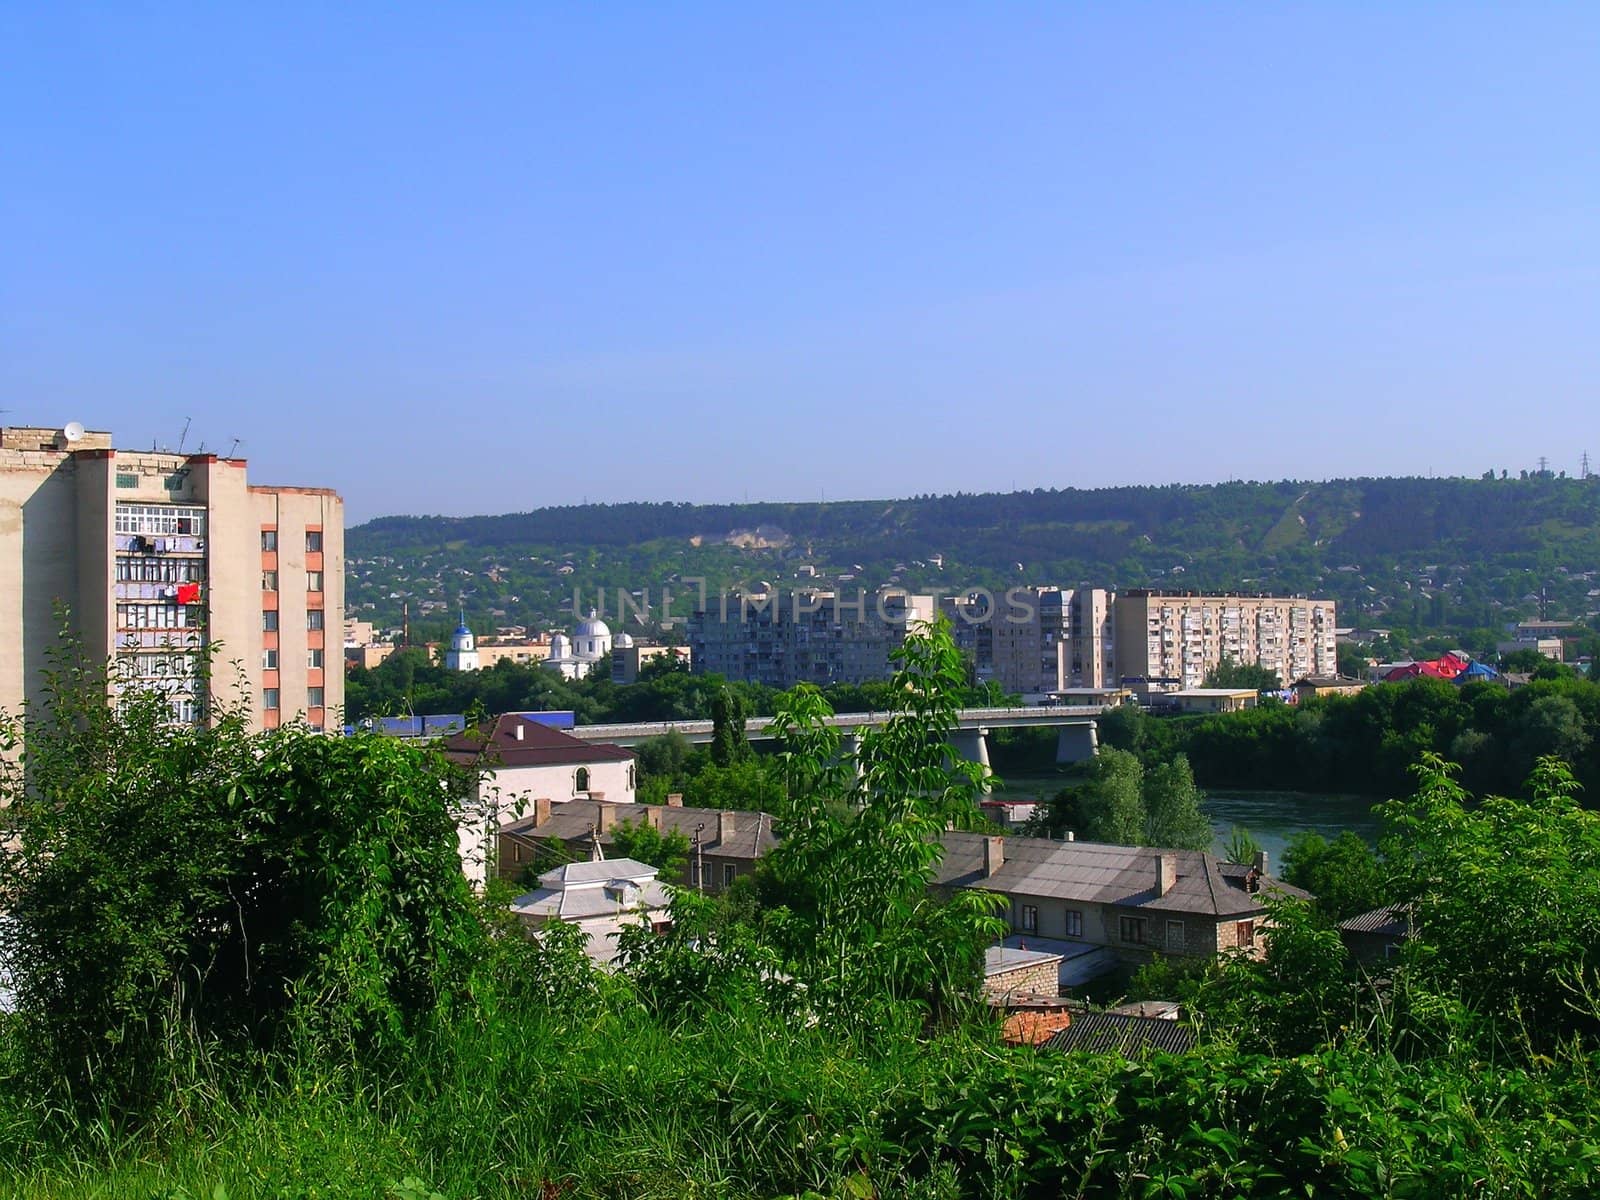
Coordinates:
73 431
184 436
233 447
1544 464
1583 463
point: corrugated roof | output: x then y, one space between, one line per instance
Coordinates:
1117 1033
1391 919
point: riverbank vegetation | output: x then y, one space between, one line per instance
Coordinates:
247 966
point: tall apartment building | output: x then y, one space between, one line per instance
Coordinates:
784 638
161 560
1038 639
1173 639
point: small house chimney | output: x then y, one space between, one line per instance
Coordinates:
652 814
517 730
994 854
1166 873
605 816
1259 862
541 810
726 820
674 799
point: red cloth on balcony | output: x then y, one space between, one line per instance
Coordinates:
188 593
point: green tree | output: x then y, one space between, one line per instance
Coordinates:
1505 895
728 744
1124 727
172 887
1522 661
1352 661
663 757
643 842
1294 999
1231 674
1172 808
1344 875
1241 846
1111 803
862 841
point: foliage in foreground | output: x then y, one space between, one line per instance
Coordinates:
816 1047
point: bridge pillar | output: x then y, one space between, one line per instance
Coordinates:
971 745
849 744
1077 743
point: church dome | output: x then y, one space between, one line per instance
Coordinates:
592 627
622 641
559 646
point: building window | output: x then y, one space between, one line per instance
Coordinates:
269 698
1074 923
269 539
314 697
1245 934
269 620
1030 918
127 481
314 659
1132 929
580 779
314 541
313 581
730 872
314 618
269 660
269 581
1175 938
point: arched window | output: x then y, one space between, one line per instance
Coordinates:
631 777
581 780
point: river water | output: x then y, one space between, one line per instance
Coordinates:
1272 818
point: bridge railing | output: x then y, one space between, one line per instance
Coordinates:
967 718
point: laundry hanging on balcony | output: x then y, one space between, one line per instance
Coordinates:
188 593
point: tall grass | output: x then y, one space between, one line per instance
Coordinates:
606 1100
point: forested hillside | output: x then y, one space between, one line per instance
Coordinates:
1423 554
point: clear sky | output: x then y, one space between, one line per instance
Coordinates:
479 258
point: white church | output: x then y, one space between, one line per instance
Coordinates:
591 642
573 658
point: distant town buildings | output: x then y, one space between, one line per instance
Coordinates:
780 638
1175 639
165 561
1035 640
628 656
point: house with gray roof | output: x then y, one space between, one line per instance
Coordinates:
517 759
1376 936
724 845
600 898
1132 900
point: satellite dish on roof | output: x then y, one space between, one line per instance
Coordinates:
74 431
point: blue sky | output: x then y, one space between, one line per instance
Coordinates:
484 258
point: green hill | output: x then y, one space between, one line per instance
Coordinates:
1445 554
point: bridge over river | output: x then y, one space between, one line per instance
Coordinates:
1076 741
